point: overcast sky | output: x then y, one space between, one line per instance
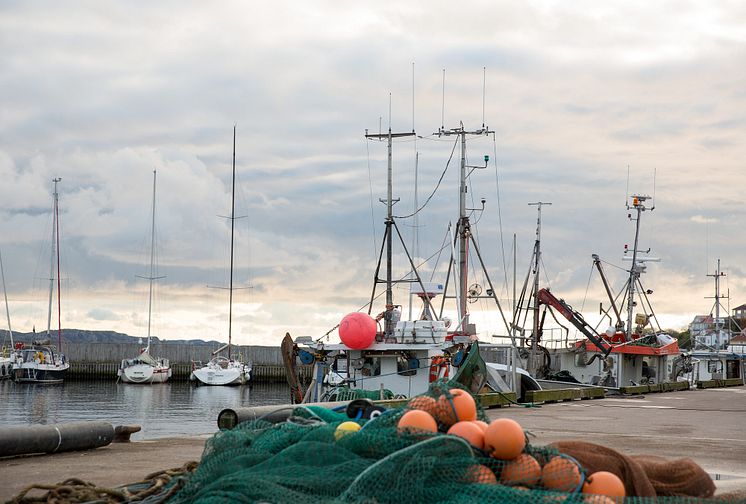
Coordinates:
579 94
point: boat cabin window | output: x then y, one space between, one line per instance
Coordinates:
371 366
340 364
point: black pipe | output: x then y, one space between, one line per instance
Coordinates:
24 440
230 417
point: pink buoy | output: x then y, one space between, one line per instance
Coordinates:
357 330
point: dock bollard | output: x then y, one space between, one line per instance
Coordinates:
23 440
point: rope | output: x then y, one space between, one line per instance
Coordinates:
155 488
436 186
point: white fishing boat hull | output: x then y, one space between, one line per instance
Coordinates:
144 373
222 371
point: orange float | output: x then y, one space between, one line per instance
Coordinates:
523 470
469 431
482 425
504 439
604 483
459 407
424 403
417 421
561 474
479 473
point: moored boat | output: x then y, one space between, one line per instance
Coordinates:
229 369
145 368
385 357
41 362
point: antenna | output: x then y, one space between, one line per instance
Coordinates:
626 192
484 87
413 96
389 111
655 173
443 103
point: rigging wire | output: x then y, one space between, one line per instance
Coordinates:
372 212
445 169
499 211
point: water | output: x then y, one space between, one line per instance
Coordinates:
162 410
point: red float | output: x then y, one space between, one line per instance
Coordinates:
357 330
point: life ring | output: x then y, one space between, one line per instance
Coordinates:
438 368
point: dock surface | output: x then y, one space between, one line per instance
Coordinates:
704 425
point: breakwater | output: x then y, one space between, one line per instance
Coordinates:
101 360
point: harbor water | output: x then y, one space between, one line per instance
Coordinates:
162 410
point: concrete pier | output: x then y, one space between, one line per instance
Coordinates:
704 425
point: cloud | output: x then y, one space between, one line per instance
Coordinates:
101 95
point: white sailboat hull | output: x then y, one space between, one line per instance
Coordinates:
144 373
222 372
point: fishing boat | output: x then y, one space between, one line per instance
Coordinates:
8 353
145 368
225 369
635 351
382 356
42 362
718 352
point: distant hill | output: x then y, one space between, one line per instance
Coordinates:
83 336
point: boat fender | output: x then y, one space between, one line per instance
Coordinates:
438 368
363 408
306 357
458 358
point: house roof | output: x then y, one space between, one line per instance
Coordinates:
740 308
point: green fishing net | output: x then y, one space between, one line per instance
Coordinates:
307 459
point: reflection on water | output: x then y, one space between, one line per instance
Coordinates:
163 410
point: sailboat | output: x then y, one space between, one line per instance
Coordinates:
225 370
41 362
145 368
8 354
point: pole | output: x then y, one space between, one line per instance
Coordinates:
233 221
537 262
388 329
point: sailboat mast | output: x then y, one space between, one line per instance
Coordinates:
5 294
152 264
57 238
233 221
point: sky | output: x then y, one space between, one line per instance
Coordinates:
589 102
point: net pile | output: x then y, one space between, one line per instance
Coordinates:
311 459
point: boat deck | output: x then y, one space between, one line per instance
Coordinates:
704 425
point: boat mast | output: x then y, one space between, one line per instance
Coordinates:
638 204
389 201
537 262
5 294
233 221
718 325
55 254
464 225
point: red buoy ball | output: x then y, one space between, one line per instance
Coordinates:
357 330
